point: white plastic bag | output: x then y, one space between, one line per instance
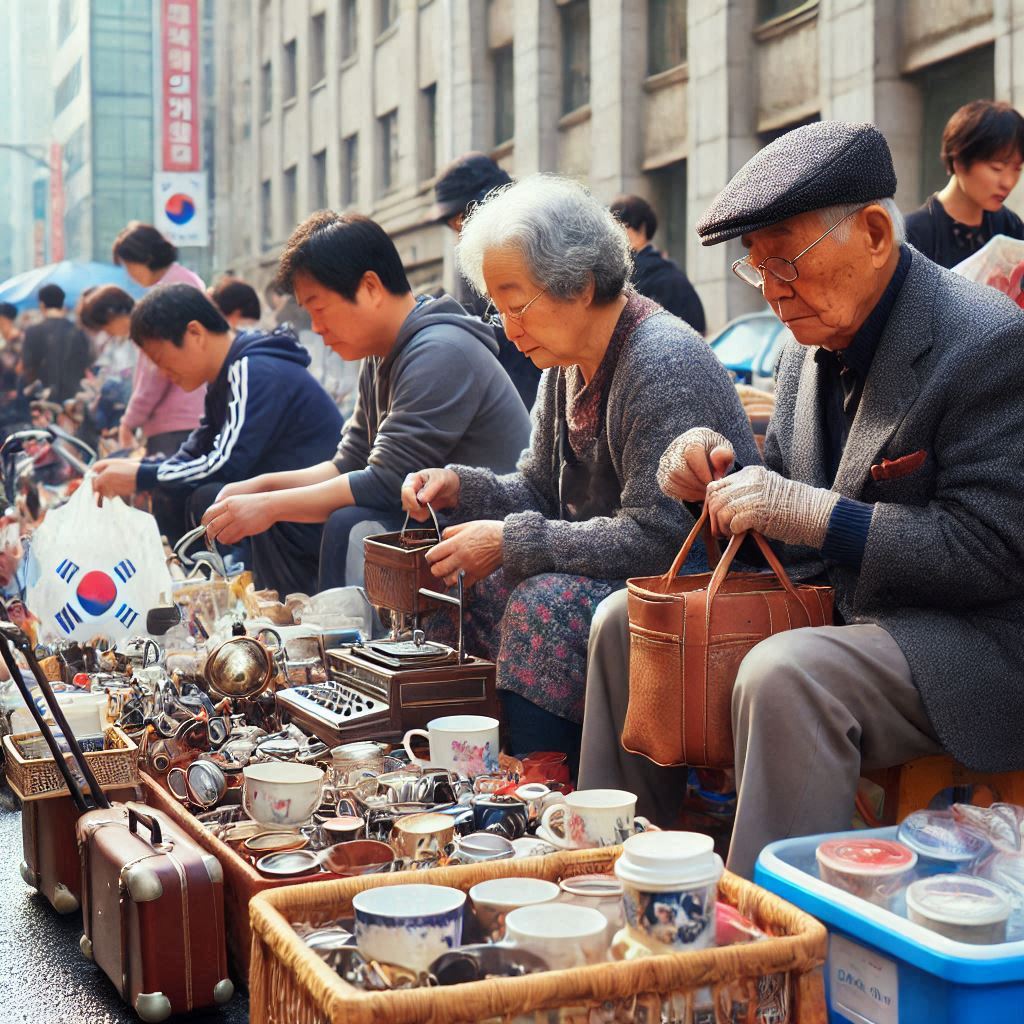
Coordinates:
96 571
999 263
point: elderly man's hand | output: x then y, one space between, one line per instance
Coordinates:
231 519
126 437
472 547
115 478
757 499
692 461
438 488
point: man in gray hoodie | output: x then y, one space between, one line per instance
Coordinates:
431 392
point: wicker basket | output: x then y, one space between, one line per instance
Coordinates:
290 984
36 778
396 568
241 880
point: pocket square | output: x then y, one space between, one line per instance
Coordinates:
893 469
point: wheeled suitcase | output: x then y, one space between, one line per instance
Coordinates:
153 902
51 863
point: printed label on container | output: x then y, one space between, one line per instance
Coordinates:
863 984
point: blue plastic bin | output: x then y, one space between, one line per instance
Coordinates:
882 968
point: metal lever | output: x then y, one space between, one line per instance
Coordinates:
457 601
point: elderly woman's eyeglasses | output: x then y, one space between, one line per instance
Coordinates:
495 319
781 269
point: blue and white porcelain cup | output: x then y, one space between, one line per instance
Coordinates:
669 887
408 925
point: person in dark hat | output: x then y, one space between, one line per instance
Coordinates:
463 183
653 274
891 470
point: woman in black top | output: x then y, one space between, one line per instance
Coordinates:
983 150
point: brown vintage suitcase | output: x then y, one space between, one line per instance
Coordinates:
51 863
153 911
687 637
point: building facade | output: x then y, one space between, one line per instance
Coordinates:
356 104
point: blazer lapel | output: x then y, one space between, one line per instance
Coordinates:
892 385
808 457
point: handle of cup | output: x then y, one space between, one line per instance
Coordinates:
641 824
407 743
559 838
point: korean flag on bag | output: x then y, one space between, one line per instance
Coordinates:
96 570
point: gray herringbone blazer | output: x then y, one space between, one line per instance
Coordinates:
943 571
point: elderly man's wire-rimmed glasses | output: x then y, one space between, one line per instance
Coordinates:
781 269
495 319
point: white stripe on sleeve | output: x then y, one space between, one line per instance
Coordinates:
224 443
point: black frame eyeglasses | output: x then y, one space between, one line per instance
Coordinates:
781 269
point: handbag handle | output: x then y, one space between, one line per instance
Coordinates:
710 546
437 529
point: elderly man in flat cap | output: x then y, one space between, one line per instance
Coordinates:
894 463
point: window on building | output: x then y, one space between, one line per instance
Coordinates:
429 138
503 67
668 197
67 18
289 73
575 24
767 10
666 35
266 88
290 198
317 49
349 29
387 14
318 180
266 216
350 170
68 89
387 134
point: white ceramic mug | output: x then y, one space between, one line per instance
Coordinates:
282 793
465 744
495 898
564 936
589 818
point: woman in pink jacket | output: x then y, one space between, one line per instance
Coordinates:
165 414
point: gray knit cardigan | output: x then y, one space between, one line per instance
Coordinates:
666 381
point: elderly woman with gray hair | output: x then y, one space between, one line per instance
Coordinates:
583 511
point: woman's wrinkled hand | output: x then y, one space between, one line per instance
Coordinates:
475 548
692 461
438 488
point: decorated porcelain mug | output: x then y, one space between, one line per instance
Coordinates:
465 744
589 818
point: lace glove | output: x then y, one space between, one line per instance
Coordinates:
755 498
691 461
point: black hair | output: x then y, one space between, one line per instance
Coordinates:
233 295
165 312
8 311
337 249
636 213
103 304
982 130
142 243
51 296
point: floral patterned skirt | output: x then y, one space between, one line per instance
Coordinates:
537 631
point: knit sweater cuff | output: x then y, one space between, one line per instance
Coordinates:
524 545
476 491
847 534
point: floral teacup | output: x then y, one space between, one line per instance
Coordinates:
589 818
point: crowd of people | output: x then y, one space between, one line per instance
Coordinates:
568 422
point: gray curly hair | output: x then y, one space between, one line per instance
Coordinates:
567 238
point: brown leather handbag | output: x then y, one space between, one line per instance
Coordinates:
688 635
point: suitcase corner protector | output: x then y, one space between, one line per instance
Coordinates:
28 876
64 901
213 869
143 883
85 945
152 1007
223 991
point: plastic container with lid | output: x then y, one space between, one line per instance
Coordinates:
937 836
961 907
873 869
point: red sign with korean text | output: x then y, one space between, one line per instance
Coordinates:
179 31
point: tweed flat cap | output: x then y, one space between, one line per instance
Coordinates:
809 168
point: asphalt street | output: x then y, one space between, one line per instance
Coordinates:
44 979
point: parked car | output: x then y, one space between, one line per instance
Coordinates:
748 347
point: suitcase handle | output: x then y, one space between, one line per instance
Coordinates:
135 817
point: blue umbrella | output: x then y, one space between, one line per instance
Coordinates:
74 277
